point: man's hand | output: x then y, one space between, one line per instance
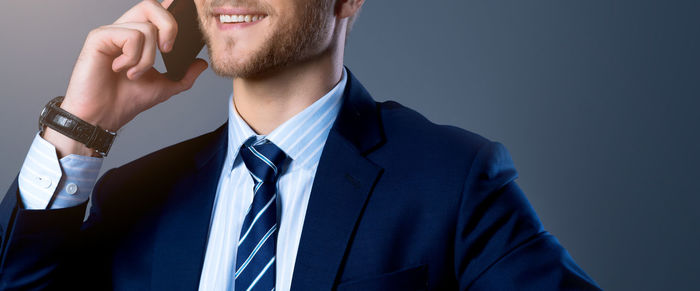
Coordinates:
114 79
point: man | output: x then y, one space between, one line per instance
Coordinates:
311 185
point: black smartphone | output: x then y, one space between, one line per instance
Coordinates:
188 42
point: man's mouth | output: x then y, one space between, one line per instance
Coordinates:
240 18
237 17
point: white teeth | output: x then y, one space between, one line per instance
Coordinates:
240 18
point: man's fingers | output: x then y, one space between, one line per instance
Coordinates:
148 54
112 41
165 22
156 13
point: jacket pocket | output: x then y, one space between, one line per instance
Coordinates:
413 278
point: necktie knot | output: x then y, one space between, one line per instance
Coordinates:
264 161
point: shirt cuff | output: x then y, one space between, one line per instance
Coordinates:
44 180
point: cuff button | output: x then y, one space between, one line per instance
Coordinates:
43 181
71 188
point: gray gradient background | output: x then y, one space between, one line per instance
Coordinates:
597 101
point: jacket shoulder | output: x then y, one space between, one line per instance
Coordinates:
407 127
429 156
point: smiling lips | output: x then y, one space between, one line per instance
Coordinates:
230 17
240 18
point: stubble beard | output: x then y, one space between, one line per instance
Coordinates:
293 42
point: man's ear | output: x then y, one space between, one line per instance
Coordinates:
348 8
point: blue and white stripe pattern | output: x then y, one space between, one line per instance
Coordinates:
43 184
255 268
302 138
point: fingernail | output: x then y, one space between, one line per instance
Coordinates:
166 46
136 75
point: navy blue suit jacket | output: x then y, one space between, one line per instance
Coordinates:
398 203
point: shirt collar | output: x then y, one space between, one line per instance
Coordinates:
302 137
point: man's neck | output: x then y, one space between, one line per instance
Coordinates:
266 103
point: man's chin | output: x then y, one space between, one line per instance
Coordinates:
225 70
255 68
229 67
235 71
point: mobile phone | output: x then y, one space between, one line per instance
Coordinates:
188 42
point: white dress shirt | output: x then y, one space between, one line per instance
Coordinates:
46 182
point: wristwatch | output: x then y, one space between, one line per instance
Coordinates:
75 128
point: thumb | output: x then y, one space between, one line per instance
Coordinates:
193 72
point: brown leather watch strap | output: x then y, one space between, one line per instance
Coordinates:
75 128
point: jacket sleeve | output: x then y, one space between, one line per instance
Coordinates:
52 248
500 243
34 242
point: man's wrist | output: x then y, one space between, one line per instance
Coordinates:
91 118
66 146
71 126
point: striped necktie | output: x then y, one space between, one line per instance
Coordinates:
255 261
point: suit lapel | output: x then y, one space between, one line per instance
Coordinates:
184 226
343 183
